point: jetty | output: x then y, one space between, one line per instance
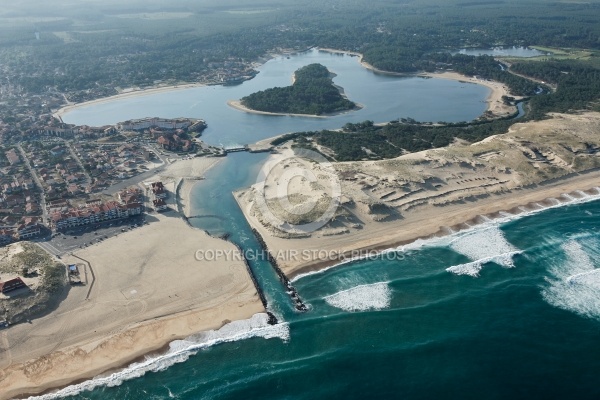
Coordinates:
291 290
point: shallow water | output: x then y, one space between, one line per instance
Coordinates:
503 52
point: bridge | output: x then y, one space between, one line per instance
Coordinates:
234 149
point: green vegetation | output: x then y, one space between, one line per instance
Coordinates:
365 140
313 92
135 43
87 50
34 263
578 88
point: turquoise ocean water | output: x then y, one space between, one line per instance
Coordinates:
505 310
509 309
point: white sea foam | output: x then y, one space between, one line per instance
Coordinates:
482 246
376 296
590 279
504 218
574 284
473 268
179 351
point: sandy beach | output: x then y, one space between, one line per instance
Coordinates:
436 192
494 100
190 172
145 288
239 106
127 95
148 290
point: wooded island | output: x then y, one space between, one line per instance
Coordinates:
313 92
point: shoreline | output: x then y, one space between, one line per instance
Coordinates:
126 95
128 316
237 104
159 348
495 105
471 222
482 182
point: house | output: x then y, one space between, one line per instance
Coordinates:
29 228
11 285
159 190
57 151
159 204
12 157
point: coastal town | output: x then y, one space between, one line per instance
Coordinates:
64 175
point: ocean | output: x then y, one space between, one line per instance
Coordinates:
507 309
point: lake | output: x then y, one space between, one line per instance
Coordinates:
384 98
514 51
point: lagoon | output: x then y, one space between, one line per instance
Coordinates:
384 98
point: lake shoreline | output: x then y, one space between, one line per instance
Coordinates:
126 95
237 104
493 99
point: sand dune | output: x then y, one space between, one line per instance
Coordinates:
391 202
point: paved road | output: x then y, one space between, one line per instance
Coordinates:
76 158
38 183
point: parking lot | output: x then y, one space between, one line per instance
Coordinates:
78 238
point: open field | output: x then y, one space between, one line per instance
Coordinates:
391 202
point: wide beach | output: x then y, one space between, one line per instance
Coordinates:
145 288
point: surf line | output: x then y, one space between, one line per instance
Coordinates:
298 303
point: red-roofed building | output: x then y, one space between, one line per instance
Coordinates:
159 204
11 285
159 190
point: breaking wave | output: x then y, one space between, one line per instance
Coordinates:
504 217
482 246
574 284
179 351
376 296
473 268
